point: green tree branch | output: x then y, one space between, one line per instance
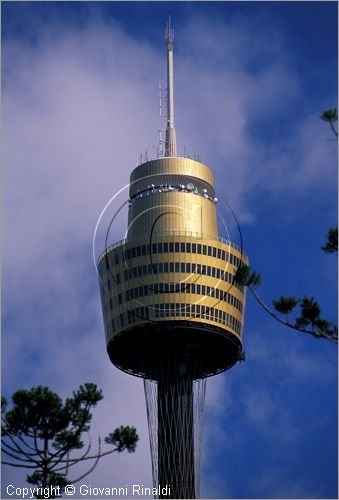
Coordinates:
309 308
331 116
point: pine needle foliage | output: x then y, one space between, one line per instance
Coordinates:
332 241
309 319
42 433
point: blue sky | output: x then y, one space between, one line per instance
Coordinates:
79 105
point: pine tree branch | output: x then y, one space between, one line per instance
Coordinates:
68 460
334 130
74 461
19 458
317 334
330 116
40 452
23 466
67 465
20 449
8 432
65 449
17 449
93 466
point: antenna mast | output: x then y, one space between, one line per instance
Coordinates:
170 142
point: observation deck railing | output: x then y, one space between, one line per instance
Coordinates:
190 234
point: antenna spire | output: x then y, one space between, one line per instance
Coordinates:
170 142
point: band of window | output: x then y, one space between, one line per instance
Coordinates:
175 247
160 288
189 311
172 267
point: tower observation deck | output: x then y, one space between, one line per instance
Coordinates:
173 312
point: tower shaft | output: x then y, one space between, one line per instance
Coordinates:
176 435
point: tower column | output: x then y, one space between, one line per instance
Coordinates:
176 434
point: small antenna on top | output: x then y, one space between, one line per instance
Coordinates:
169 32
170 142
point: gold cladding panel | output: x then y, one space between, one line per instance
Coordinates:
177 165
160 213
